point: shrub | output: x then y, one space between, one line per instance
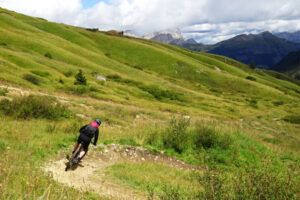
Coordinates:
114 77
252 65
92 29
172 193
68 73
176 134
213 184
209 137
278 103
257 182
155 91
34 107
33 79
253 103
3 92
79 89
2 145
80 78
159 93
48 55
295 119
263 183
251 78
138 67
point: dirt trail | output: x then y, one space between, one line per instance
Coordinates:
90 175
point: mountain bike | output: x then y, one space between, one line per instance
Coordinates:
72 161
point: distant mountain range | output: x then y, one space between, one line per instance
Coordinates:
290 65
170 36
264 49
293 37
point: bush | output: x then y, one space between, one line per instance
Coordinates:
34 107
92 29
2 146
80 78
3 92
159 93
68 73
176 134
179 137
155 91
253 103
251 78
208 137
295 119
257 182
33 79
278 103
172 193
79 89
48 55
252 65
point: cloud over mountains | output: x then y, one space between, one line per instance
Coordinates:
208 21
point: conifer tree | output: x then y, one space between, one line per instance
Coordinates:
80 78
252 65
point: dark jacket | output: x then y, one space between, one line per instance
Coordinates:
90 131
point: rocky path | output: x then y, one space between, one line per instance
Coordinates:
90 174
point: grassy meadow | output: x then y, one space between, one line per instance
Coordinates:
239 125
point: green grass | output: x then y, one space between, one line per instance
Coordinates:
145 176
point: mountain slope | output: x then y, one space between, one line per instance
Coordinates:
193 76
264 49
290 65
293 37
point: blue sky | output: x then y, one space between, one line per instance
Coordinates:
90 3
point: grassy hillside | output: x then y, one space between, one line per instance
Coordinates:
205 109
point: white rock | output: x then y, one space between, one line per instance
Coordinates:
218 69
101 78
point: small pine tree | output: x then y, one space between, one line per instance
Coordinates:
252 65
80 78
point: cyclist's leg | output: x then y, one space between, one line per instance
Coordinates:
85 145
79 140
82 154
75 146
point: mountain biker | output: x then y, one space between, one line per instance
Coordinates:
87 132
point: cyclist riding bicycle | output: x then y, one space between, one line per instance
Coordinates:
87 132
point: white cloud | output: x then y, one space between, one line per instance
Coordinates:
215 19
55 10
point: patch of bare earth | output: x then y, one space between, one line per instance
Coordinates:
90 174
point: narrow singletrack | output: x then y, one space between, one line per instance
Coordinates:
90 173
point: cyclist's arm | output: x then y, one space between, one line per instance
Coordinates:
96 137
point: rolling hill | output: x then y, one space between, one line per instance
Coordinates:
185 108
